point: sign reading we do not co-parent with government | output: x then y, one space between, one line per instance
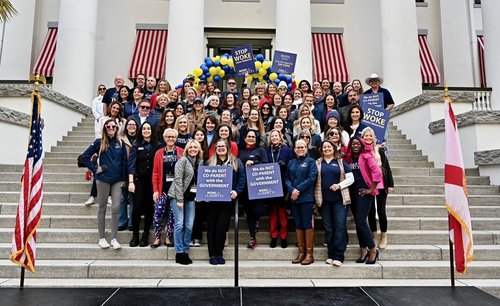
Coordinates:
214 184
264 181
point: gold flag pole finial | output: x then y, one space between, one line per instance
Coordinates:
37 78
446 96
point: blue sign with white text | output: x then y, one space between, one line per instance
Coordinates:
376 100
214 184
284 62
377 118
243 60
264 181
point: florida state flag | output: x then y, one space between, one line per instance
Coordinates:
456 193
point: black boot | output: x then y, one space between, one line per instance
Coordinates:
144 239
183 259
178 257
135 240
188 260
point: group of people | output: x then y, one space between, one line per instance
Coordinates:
152 139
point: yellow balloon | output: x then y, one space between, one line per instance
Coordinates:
249 79
218 69
222 73
217 57
262 72
223 60
255 75
214 59
197 72
213 71
273 76
196 86
230 62
261 79
258 65
196 81
266 64
210 79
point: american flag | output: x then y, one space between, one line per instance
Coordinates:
29 209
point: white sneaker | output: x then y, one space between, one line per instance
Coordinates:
109 200
103 243
329 261
90 201
115 244
336 263
197 243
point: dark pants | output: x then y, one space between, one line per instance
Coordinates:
277 213
254 209
382 216
360 208
302 213
93 190
200 216
335 222
143 203
219 218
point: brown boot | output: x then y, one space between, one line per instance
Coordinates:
301 245
375 238
309 247
383 240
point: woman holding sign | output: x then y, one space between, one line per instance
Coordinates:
278 152
183 193
219 213
300 178
252 154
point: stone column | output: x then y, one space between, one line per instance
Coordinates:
17 46
400 58
186 38
457 51
74 67
293 34
491 23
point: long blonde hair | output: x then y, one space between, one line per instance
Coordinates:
104 137
231 160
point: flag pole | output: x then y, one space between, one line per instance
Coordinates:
452 268
21 284
236 244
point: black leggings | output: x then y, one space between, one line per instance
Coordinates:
219 218
382 217
143 203
200 216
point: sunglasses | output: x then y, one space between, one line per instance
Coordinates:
145 107
333 134
306 137
216 92
111 127
265 108
102 88
373 80
231 83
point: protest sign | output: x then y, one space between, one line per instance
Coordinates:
214 184
284 62
243 60
264 181
376 100
377 118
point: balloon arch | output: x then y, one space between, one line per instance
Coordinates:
214 69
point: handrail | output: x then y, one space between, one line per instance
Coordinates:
481 95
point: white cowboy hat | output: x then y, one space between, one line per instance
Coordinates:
374 76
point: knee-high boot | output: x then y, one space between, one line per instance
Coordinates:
309 247
301 245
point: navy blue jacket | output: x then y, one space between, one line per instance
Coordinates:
151 119
114 158
301 174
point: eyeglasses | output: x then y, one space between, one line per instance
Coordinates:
145 107
306 137
333 134
111 127
102 88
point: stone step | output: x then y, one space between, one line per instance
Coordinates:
166 269
404 152
76 143
53 168
74 251
82 129
406 171
407 158
73 154
47 177
402 146
59 160
411 164
89 221
439 189
396 136
417 237
82 132
82 186
416 199
435 180
399 141
89 138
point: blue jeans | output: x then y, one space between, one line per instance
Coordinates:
335 222
302 214
183 225
126 200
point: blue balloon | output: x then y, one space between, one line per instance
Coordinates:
282 77
207 74
216 79
289 79
207 59
277 81
225 68
226 55
266 77
289 87
203 77
231 72
260 57
204 68
209 63
217 63
178 86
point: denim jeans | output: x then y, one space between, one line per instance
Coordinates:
335 222
125 214
183 225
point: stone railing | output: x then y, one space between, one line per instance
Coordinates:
481 96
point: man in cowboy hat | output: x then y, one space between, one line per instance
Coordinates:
374 81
